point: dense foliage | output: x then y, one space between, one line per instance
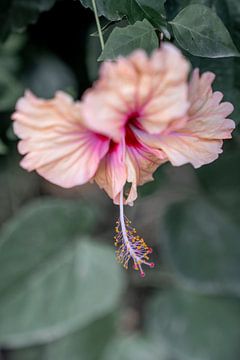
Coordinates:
62 295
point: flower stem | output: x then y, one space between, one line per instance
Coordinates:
100 34
130 245
122 221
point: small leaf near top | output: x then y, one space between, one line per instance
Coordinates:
122 41
200 31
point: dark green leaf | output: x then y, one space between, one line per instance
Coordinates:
202 244
10 90
10 86
152 10
17 14
195 327
111 9
3 148
201 32
123 41
53 281
134 347
88 344
17 186
93 48
221 182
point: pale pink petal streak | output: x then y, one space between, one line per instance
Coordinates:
54 141
141 161
200 140
111 174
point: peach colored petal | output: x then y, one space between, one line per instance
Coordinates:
111 174
154 88
200 140
128 162
141 162
182 149
54 141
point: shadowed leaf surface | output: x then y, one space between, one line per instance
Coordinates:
195 327
53 280
202 243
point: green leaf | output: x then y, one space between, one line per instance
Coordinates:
93 47
218 177
53 280
134 347
15 15
3 148
111 9
10 86
123 41
152 10
78 345
10 90
203 248
201 32
152 7
17 186
221 185
195 327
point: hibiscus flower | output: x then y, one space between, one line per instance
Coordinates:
141 113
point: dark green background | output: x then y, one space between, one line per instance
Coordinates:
62 294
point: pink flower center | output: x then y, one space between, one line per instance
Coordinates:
132 121
133 118
130 137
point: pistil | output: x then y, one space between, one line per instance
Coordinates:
130 246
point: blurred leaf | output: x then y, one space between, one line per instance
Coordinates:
49 74
195 327
52 280
10 90
134 347
3 148
13 44
10 86
201 32
203 247
149 188
17 186
17 14
88 344
221 181
218 176
123 41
